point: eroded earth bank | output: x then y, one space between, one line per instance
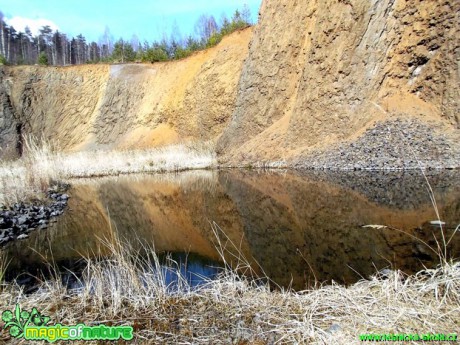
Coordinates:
324 84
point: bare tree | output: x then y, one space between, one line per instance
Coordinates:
246 14
31 58
205 27
107 40
11 35
135 42
2 35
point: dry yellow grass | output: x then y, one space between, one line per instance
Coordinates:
126 289
32 174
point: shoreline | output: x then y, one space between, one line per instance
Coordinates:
236 309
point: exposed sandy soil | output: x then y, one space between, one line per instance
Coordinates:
123 106
309 77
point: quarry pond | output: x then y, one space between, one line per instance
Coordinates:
294 227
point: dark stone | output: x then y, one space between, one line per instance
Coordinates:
22 220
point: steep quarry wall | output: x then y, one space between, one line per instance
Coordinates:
323 84
320 72
122 106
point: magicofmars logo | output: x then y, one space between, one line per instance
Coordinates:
34 326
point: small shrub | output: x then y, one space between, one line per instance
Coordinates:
43 59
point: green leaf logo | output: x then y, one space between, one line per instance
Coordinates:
18 320
7 316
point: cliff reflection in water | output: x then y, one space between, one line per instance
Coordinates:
294 227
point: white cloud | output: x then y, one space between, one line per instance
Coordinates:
20 23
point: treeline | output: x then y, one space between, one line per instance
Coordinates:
56 48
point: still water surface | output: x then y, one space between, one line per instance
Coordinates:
293 227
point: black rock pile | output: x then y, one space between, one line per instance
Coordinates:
397 144
18 220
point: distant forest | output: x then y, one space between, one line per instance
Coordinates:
56 48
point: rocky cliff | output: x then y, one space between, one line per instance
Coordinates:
321 72
325 84
122 106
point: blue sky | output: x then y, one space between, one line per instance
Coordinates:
149 20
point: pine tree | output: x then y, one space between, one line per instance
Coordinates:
123 52
43 59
